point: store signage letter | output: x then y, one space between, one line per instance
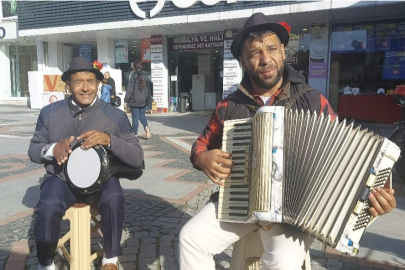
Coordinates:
160 3
2 32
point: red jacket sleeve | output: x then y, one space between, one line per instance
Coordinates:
211 137
326 108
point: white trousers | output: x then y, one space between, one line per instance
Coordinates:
204 236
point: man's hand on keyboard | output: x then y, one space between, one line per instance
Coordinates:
216 164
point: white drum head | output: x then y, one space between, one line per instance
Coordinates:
83 167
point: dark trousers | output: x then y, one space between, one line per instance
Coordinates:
56 197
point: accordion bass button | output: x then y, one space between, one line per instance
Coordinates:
104 163
371 180
358 208
97 147
99 181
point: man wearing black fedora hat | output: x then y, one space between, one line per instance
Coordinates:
267 81
81 118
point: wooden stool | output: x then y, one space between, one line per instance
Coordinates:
80 232
154 107
248 250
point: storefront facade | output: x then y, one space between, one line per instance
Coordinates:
17 56
185 45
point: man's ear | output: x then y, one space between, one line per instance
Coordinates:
67 86
283 51
242 62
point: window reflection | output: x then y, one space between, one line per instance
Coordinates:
367 56
9 8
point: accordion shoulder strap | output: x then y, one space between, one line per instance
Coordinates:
296 96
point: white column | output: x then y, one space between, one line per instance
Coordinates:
232 70
105 51
5 86
165 75
40 55
55 56
160 72
318 58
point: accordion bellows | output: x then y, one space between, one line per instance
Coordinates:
305 170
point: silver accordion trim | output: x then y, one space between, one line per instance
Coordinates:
309 171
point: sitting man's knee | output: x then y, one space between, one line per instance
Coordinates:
50 207
187 234
113 199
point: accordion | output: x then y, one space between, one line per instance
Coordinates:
305 170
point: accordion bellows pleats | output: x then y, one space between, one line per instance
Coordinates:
305 170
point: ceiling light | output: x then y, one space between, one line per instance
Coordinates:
216 51
132 52
135 41
302 46
135 46
172 61
304 29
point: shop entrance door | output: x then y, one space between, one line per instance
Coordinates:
197 75
188 65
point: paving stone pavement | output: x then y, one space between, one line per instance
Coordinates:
152 224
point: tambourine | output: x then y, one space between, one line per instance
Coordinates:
87 169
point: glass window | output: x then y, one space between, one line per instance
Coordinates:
22 60
297 51
9 8
367 56
129 50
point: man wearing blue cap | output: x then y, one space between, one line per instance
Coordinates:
267 81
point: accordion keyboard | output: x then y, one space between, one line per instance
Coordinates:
233 196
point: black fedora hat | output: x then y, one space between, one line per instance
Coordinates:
256 22
81 64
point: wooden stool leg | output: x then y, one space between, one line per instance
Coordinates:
247 253
80 242
79 237
307 262
97 225
80 257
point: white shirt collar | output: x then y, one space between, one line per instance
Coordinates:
74 103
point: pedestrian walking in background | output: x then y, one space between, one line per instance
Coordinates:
110 81
137 97
105 91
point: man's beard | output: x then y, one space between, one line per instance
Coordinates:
267 84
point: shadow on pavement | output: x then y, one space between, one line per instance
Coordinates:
31 195
149 239
194 123
381 243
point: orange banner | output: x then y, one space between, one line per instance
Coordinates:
145 49
53 83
